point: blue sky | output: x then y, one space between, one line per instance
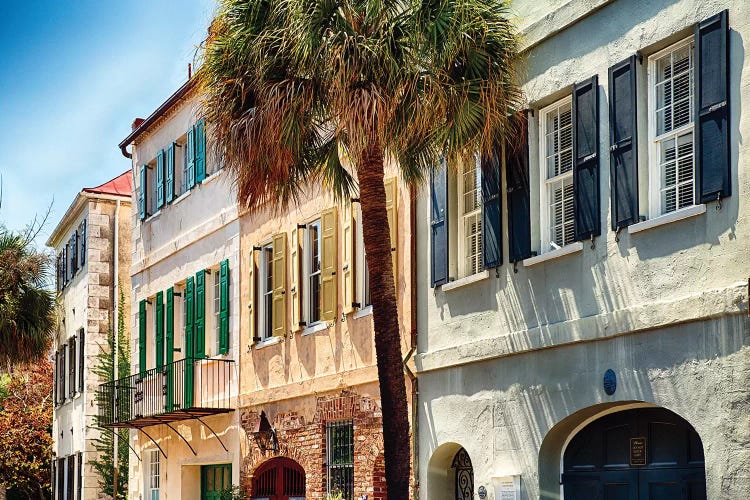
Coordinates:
75 75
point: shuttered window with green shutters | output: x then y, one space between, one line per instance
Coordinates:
159 184
224 307
142 336
200 314
169 175
200 151
189 341
159 330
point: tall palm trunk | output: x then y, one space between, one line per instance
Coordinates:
370 172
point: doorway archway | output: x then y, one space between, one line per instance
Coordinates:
636 454
280 478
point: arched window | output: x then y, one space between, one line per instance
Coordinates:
280 478
464 475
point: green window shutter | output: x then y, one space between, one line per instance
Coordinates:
190 152
169 175
159 184
142 193
170 349
189 344
200 150
224 308
160 330
142 336
200 314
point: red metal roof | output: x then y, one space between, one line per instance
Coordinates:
121 185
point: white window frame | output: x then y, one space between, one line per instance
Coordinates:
362 277
462 265
545 224
306 268
153 481
265 264
215 310
654 141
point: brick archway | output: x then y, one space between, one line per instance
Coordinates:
278 478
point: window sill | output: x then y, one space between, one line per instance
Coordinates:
181 197
361 313
678 215
468 280
317 327
153 216
554 254
267 342
210 177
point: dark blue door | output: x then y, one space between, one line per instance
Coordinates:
598 463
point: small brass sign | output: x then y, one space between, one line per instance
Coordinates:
638 451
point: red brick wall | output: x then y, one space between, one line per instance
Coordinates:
305 443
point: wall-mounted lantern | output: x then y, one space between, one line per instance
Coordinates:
265 435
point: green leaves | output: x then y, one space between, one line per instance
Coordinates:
285 80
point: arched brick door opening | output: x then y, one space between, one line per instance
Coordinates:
280 478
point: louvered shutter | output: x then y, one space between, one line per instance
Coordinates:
169 371
347 259
391 206
82 231
517 180
200 314
712 107
492 212
224 307
160 330
329 261
439 225
79 475
169 175
159 179
142 192
623 144
294 285
586 159
200 150
190 152
254 337
72 365
189 343
142 336
278 284
81 358
54 378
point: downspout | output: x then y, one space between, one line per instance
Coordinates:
413 340
115 306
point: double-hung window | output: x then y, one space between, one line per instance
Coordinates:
362 271
340 458
216 308
470 218
265 291
154 475
557 186
313 253
671 127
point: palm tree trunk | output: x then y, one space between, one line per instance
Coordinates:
370 172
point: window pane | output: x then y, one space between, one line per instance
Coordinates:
267 291
561 212
674 89
559 141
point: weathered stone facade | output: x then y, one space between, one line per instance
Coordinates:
304 441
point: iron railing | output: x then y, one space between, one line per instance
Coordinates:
188 388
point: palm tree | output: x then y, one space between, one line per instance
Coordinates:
305 92
27 305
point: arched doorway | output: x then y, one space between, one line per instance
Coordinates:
279 479
464 483
637 454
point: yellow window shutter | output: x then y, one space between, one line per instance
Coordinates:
391 202
347 262
329 258
279 285
294 283
251 298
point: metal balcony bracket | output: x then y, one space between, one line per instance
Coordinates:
153 441
181 437
212 432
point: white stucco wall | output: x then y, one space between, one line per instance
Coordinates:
485 348
196 231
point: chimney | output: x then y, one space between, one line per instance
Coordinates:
137 123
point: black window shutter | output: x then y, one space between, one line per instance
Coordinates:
517 179
83 241
492 240
54 378
439 225
623 144
72 365
81 358
712 108
586 159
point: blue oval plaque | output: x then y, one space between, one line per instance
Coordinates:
610 382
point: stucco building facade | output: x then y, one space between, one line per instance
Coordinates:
606 356
92 248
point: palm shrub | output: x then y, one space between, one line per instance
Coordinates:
302 93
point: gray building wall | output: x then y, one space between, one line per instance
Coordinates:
511 365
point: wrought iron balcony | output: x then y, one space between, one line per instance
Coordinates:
182 390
